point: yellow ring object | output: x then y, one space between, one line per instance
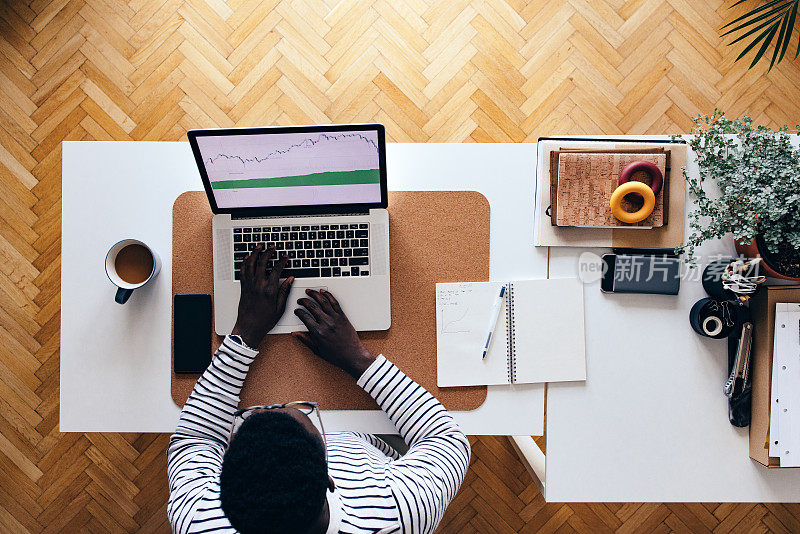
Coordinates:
632 187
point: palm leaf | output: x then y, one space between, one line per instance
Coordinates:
754 30
752 12
777 11
791 25
764 45
792 18
780 39
758 39
768 20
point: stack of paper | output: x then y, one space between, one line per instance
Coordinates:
784 422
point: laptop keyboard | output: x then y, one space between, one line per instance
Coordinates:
326 250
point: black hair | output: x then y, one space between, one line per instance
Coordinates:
274 476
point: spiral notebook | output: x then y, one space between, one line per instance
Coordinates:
538 337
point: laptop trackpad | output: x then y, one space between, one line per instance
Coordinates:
289 318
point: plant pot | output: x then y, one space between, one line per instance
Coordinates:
754 249
712 280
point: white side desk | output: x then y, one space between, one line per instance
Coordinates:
115 360
651 421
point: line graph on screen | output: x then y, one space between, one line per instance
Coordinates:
309 143
286 160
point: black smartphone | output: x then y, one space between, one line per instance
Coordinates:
633 273
192 333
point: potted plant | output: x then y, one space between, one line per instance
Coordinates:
757 171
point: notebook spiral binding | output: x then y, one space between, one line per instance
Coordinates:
511 346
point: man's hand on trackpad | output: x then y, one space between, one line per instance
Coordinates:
330 334
289 318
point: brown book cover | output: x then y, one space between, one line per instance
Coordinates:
553 211
585 182
762 307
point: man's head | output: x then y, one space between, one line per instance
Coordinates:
274 475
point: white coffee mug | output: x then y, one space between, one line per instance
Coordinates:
125 287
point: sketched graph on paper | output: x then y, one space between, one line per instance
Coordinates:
453 308
453 320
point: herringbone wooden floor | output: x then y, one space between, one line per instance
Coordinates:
460 71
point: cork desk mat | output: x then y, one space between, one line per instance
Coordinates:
434 236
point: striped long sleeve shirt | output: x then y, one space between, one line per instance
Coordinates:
378 490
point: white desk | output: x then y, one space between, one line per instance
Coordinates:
651 422
115 360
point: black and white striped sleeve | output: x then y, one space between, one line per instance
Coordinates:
194 458
426 479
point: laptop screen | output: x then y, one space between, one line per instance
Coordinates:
264 170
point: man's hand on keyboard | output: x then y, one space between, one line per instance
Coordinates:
330 334
263 298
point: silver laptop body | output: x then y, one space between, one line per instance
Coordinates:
318 194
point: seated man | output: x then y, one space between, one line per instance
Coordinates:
278 473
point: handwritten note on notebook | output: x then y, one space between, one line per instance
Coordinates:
462 318
539 335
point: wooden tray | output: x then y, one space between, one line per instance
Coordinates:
668 236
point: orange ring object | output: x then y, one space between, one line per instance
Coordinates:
632 187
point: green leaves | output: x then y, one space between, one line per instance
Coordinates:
765 21
748 183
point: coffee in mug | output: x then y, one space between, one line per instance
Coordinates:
134 263
131 264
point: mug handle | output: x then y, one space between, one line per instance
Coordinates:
123 295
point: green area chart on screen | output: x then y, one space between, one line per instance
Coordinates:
364 176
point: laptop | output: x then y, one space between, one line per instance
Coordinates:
319 195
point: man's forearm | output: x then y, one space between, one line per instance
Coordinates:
197 447
359 364
413 410
209 409
427 477
247 335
